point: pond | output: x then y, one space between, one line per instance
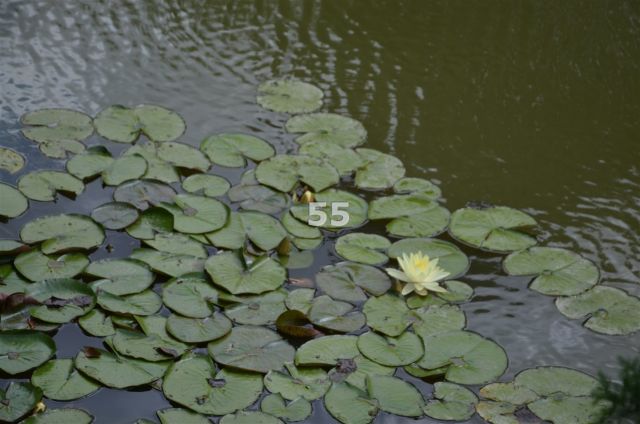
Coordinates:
531 105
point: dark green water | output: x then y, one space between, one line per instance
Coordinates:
530 104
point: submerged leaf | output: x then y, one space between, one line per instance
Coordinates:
10 160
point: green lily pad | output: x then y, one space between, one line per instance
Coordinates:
60 416
457 292
190 295
378 171
150 223
263 230
551 381
233 150
283 172
57 131
508 392
412 215
89 163
252 348
62 232
97 323
327 128
356 208
289 95
62 300
115 215
436 319
252 196
125 168
18 316
196 214
11 282
231 236
181 416
450 257
471 359
13 203
296 410
451 403
37 266
144 193
355 371
198 330
183 156
391 351
121 276
395 396
559 272
306 382
22 350
176 243
350 405
43 185
399 205
153 344
59 380
345 160
420 186
11 247
144 303
350 281
119 372
567 409
262 309
335 316
607 310
10 160
249 417
496 229
364 248
300 300
387 314
157 169
497 412
124 125
227 271
170 264
299 229
327 350
205 184
17 400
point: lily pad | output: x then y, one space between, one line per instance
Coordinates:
57 131
176 243
208 185
327 350
43 185
115 215
252 348
121 276
14 203
350 281
496 229
399 205
451 403
356 208
335 316
418 186
262 309
283 172
61 300
412 215
11 247
10 160
196 214
233 150
190 295
395 396
263 230
327 128
60 416
144 303
89 163
144 193
299 229
289 95
345 160
567 409
125 168
378 171
249 417
391 351
119 372
37 266
153 344
170 264
22 350
150 223
508 392
356 371
350 405
97 323
62 232
497 412
607 310
17 400
300 300
228 271
364 248
124 125
157 169
450 257
307 383
296 410
180 416
59 380
183 156
387 314
559 272
438 319
198 330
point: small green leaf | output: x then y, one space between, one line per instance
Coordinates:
14 203
289 95
115 215
364 248
233 150
327 128
208 185
43 185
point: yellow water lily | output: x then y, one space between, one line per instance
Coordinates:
420 273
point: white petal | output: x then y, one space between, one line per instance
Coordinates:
397 274
408 288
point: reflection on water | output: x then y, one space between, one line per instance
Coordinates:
533 104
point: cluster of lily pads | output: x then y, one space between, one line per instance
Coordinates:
205 310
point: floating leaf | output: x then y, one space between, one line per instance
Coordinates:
208 185
121 276
391 351
144 303
22 350
124 125
497 412
496 229
37 266
125 168
289 96
61 300
559 272
508 392
345 160
298 229
196 214
437 319
10 160
363 248
59 380
183 156
567 409
198 330
327 128
327 350
233 150
181 416
261 309
350 405
11 247
412 215
190 295
349 281
335 315
251 195
13 203
179 244
154 344
300 300
355 371
356 208
62 232
295 323
450 257
227 271
296 410
97 323
169 263
395 396
144 193
283 172
157 169
117 371
307 383
419 186
263 230
115 215
249 417
608 310
43 185
90 163
17 400
57 131
551 381
387 314
60 416
451 402
151 222
379 170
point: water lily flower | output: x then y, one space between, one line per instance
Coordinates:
420 273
